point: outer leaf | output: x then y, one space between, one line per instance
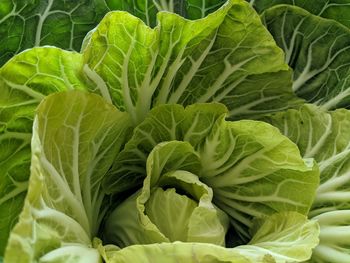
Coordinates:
160 212
227 57
24 82
147 10
76 137
26 24
338 10
318 51
325 137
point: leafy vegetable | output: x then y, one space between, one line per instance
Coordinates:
139 76
324 136
318 51
76 138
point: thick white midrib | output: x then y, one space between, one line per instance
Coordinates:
311 151
333 102
218 166
70 198
228 71
175 96
258 198
333 183
146 90
333 196
327 162
42 18
168 80
289 50
246 107
307 74
130 108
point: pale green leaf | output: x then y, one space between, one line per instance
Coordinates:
76 137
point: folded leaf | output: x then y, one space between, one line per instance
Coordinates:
76 137
325 137
24 81
281 238
173 204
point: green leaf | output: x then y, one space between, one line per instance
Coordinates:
285 237
253 174
228 56
338 10
318 51
26 24
147 10
24 81
163 123
324 136
76 137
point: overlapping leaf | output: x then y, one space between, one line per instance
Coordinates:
26 24
318 50
76 138
325 137
228 57
24 82
338 10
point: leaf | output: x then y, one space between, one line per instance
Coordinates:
318 51
227 57
64 24
333 9
252 174
285 237
324 136
24 81
26 24
75 140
